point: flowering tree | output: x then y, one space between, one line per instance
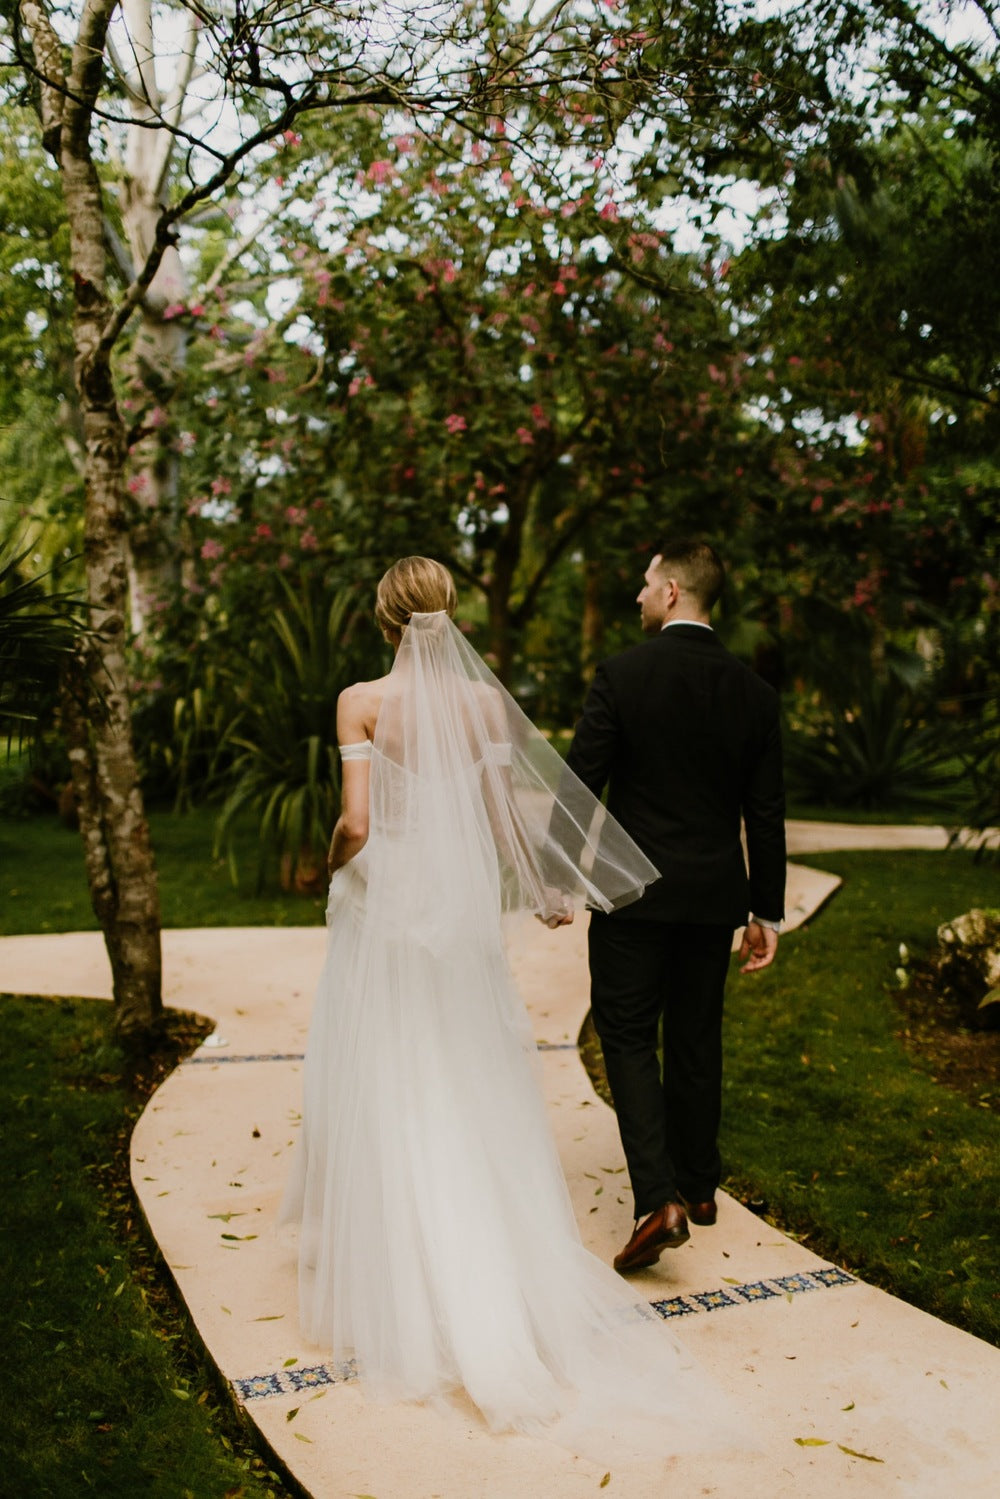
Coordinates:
575 72
476 369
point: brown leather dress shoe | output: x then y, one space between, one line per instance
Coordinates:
665 1229
702 1213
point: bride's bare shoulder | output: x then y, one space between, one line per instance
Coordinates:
357 710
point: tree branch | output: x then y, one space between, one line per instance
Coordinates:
49 71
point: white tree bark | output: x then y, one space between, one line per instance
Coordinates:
159 351
118 856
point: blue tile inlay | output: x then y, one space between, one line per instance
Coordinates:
832 1277
762 1290
675 1306
213 1057
796 1283
291 1381
710 1301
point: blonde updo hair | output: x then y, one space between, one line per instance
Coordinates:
413 585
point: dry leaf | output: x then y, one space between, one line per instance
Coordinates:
866 1455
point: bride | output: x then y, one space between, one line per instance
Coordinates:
437 1244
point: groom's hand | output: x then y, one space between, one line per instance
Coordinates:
759 945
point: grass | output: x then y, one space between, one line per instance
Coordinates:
843 1131
113 1397
43 887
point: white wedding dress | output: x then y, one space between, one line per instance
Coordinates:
438 1247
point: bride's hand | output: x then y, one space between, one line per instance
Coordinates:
556 911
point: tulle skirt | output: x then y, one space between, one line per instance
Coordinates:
438 1247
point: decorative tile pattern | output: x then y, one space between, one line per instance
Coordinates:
213 1058
292 1381
755 1290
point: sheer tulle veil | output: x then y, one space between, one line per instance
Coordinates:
466 749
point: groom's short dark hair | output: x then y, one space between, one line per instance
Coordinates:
698 566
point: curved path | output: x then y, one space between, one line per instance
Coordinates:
846 1388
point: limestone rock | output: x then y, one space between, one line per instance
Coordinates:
968 964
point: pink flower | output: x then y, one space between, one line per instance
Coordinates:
525 437
196 309
291 138
379 171
211 549
455 423
221 486
295 516
308 541
816 504
264 532
174 310
559 288
284 561
609 211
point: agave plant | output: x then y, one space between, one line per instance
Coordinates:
38 633
285 770
874 744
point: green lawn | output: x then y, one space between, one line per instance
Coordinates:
111 1395
43 888
829 1118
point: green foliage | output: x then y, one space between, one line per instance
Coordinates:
285 770
43 887
876 745
113 1397
38 633
826 1114
40 432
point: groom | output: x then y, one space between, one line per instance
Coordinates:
687 739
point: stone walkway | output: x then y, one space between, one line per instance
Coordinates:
846 1388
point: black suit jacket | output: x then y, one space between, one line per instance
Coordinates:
687 739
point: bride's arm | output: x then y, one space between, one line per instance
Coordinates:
350 833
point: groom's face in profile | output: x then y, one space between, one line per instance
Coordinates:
656 597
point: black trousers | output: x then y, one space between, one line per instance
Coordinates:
641 971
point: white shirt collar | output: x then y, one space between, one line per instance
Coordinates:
699 622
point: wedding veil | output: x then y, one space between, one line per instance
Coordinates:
463 780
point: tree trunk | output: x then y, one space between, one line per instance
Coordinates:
117 849
159 351
592 621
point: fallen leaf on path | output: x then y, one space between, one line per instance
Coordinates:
866 1455
811 1442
